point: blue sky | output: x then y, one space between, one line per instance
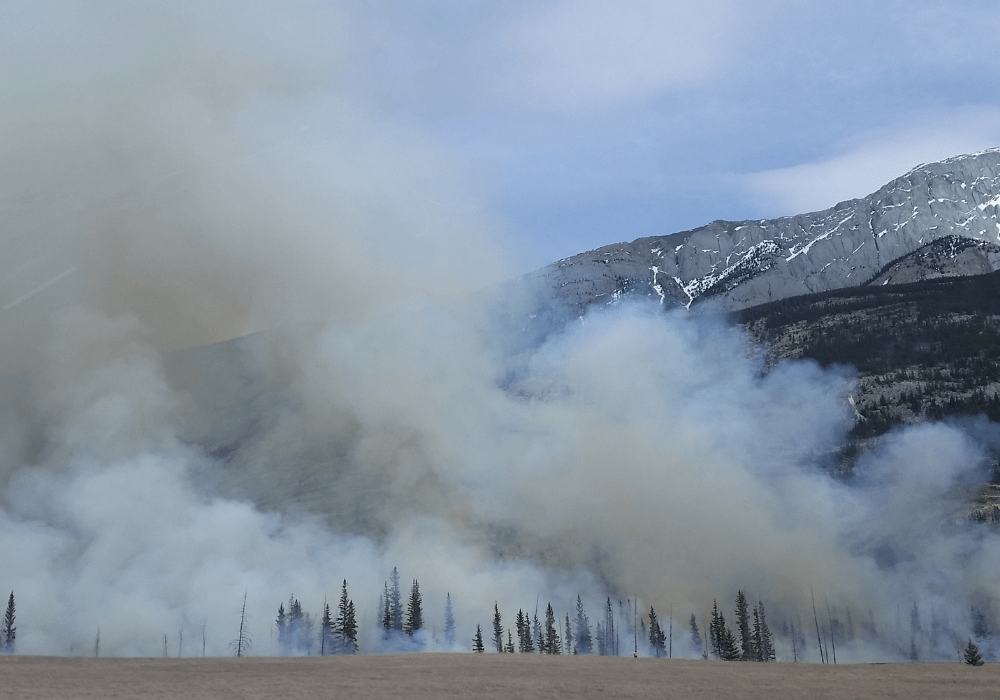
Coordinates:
592 122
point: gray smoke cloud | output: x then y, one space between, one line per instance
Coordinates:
176 178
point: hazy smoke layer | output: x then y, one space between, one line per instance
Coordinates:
197 176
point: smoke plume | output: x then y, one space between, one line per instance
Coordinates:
246 348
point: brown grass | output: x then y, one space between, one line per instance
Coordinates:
427 676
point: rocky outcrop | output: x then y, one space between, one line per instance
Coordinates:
729 265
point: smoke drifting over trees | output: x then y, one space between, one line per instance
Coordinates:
213 182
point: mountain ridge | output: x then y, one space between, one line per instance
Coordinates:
731 265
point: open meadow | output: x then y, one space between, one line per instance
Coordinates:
427 676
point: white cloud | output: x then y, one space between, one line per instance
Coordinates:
870 160
585 54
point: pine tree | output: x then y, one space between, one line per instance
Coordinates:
296 627
414 610
763 640
326 631
972 655
477 641
8 632
717 624
552 644
345 625
449 622
396 601
657 640
569 637
601 649
509 649
386 614
696 644
282 624
497 629
584 643
748 652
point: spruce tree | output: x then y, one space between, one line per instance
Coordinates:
326 631
552 645
657 640
414 610
8 632
477 641
395 601
449 622
569 637
748 652
584 644
345 625
763 640
282 624
696 644
972 655
509 649
497 629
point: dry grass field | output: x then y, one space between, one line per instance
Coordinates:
427 676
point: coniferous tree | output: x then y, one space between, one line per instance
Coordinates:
449 622
296 627
345 625
584 643
718 623
536 633
763 640
552 644
696 644
326 631
386 614
657 639
395 597
972 655
8 632
414 611
282 624
569 637
497 629
509 649
748 652
601 648
477 641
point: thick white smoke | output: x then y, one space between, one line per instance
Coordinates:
199 178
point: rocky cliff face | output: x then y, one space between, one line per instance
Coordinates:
729 265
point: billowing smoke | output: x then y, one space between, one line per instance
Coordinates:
201 176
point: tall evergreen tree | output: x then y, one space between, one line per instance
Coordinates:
477 641
552 644
748 653
386 613
395 601
569 637
281 622
584 643
414 610
763 640
657 640
601 648
345 625
326 631
8 632
509 649
497 629
696 644
449 622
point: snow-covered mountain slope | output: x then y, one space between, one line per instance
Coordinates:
731 265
